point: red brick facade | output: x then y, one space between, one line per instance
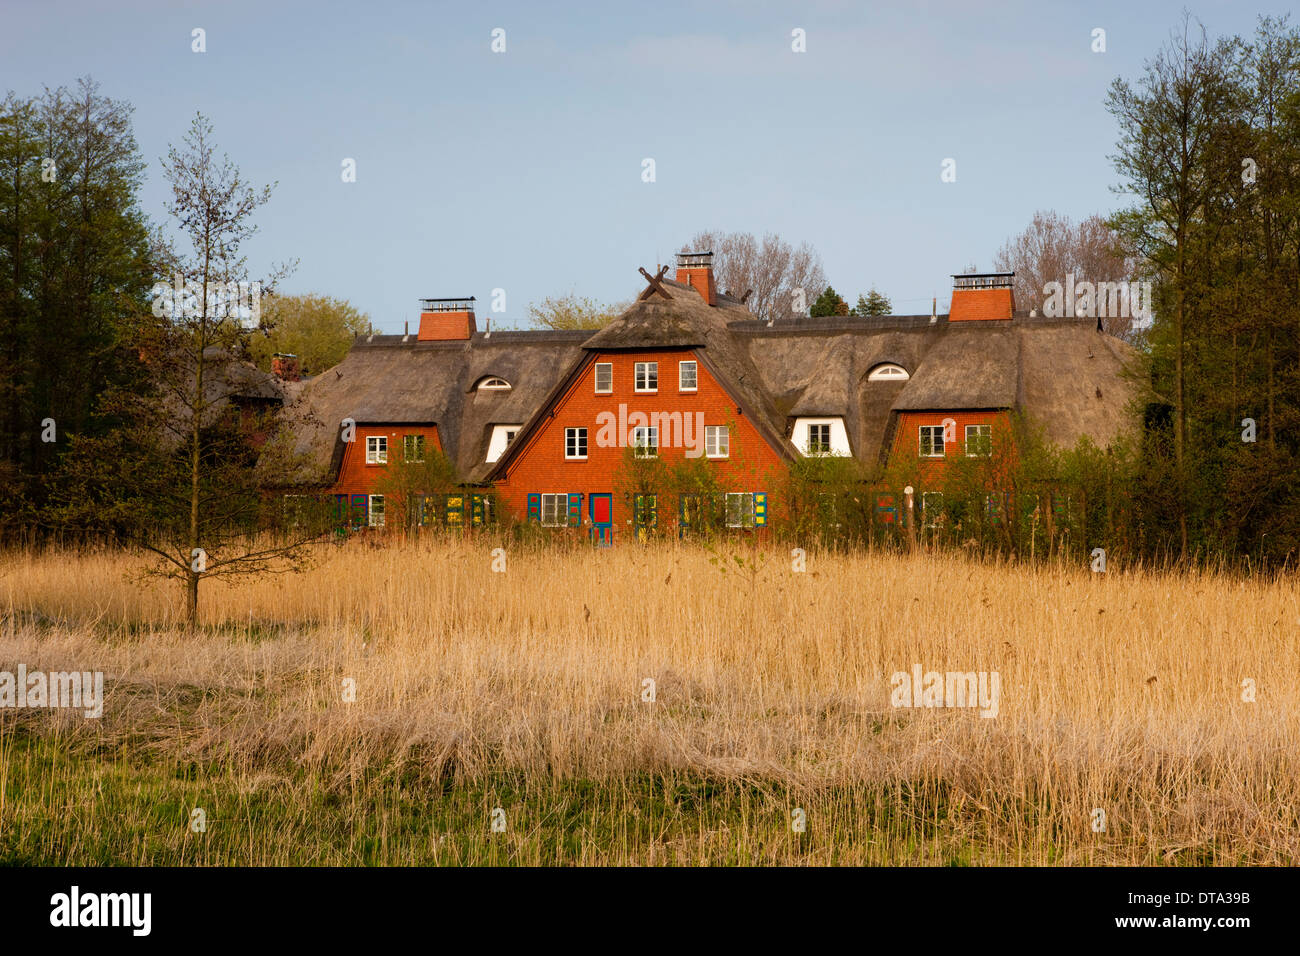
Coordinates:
907 437
539 466
357 476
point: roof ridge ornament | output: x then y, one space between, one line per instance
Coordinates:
656 284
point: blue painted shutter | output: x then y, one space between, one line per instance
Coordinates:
534 506
760 509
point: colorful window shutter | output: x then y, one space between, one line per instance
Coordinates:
760 509
885 508
476 505
360 510
575 509
455 509
534 506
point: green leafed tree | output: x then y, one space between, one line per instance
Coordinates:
569 312
318 329
829 303
873 303
180 476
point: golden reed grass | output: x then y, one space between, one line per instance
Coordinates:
1120 691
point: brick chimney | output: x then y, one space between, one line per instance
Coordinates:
981 296
695 269
286 367
446 320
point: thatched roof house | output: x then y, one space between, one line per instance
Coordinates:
870 375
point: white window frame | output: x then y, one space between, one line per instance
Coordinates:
695 376
643 371
920 441
559 510
645 441
407 441
888 372
744 513
510 435
376 449
494 383
576 439
988 449
370 511
608 368
717 441
820 447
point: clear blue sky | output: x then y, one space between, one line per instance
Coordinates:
522 170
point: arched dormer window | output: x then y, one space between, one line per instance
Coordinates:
888 372
493 383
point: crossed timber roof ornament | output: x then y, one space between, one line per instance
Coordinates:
655 284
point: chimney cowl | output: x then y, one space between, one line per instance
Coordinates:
446 320
695 269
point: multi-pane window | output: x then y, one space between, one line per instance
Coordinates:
575 443
740 509
687 376
555 510
717 441
510 435
376 449
376 511
413 447
979 441
645 439
819 439
647 376
604 378
931 441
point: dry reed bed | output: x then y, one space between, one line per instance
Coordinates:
1121 691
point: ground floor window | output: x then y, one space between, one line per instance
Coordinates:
555 510
376 511
740 509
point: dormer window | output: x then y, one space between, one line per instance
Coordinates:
493 384
889 372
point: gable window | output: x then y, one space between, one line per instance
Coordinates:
645 439
647 376
604 378
687 376
717 441
510 435
740 509
979 441
888 372
494 384
931 441
555 511
376 449
575 443
819 439
413 447
376 511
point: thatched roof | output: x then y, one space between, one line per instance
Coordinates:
1053 370
1063 373
396 379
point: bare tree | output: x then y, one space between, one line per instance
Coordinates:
771 271
1053 247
